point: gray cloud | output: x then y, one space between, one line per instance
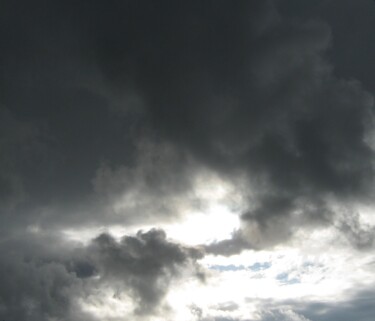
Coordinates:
43 278
358 233
150 186
263 90
242 90
35 283
147 263
282 315
274 109
234 245
357 305
19 145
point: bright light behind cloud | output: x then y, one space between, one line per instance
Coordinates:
315 272
214 219
236 286
313 266
193 230
187 160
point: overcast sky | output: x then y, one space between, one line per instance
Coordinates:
187 160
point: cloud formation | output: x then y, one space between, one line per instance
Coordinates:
274 110
147 263
246 91
131 113
42 281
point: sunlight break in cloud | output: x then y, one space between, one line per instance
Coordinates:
187 160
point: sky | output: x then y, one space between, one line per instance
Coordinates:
187 160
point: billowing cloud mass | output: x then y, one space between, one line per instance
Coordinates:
158 155
47 282
146 263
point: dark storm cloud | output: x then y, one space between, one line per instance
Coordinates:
353 43
46 78
239 88
12 133
35 283
244 88
32 291
147 263
247 90
42 279
150 186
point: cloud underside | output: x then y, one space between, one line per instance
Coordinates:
46 282
142 113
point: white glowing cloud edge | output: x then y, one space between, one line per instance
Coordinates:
314 266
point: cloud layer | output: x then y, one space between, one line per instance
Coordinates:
141 115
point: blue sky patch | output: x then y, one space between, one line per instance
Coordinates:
284 278
259 266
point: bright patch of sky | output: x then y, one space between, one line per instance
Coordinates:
320 269
314 266
313 272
